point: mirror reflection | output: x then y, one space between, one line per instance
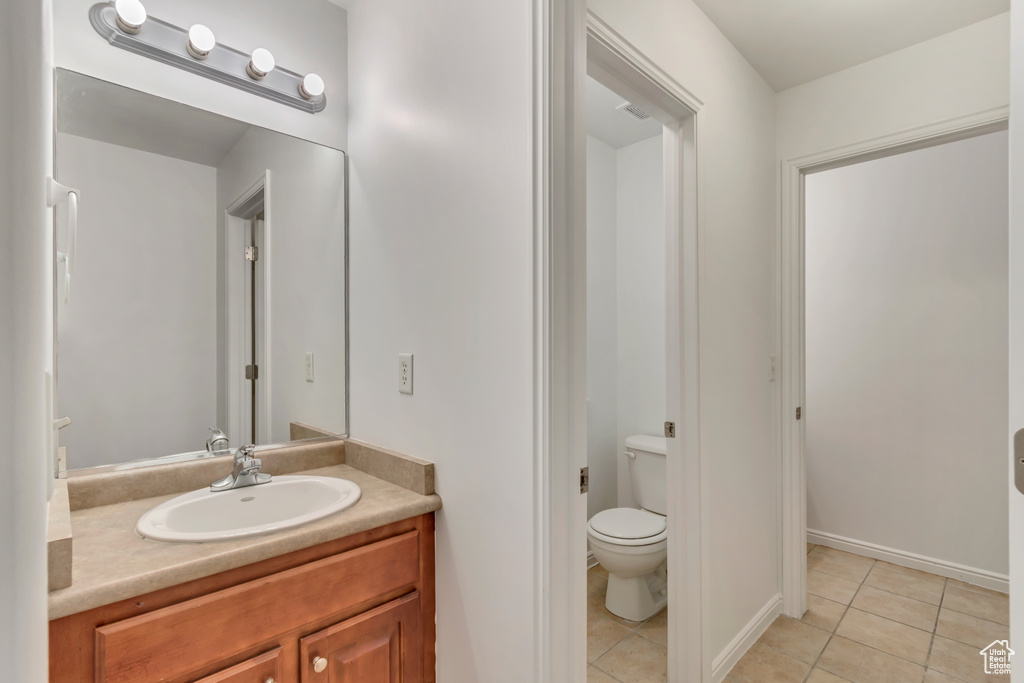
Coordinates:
206 308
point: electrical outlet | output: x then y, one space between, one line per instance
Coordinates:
405 373
309 366
771 368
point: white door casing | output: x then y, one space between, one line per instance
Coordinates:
790 314
568 44
618 65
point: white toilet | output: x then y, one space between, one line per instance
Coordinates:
630 543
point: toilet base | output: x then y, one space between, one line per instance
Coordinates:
638 598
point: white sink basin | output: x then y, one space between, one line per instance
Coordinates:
284 503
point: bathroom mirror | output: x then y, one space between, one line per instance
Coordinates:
203 304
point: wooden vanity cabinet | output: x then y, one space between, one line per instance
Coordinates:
358 609
379 646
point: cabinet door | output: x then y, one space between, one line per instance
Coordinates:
384 645
263 669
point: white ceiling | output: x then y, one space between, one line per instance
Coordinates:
791 42
91 108
613 126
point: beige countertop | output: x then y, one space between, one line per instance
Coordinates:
111 563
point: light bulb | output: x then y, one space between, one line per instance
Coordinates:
261 63
200 41
312 87
131 15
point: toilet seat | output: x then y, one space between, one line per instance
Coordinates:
628 527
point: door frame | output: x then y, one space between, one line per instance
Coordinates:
790 315
237 397
571 40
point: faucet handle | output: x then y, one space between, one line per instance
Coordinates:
245 452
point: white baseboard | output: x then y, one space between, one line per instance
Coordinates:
591 560
746 638
951 570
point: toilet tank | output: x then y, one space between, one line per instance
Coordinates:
646 458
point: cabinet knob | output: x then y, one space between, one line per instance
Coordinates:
319 664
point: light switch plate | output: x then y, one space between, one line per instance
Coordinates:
309 366
405 373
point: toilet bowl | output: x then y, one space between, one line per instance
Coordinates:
635 590
632 543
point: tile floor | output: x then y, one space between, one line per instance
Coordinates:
619 650
869 621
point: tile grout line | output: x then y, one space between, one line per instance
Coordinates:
933 633
605 673
634 630
901 595
619 641
965 586
834 630
874 563
850 606
925 667
895 621
935 627
609 648
814 664
972 616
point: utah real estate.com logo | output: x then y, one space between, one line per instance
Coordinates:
997 657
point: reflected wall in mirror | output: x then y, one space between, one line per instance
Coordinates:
209 286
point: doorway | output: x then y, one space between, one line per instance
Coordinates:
626 388
619 67
247 257
878 341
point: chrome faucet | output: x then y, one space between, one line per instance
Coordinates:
218 440
246 472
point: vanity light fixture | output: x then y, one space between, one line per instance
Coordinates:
131 15
261 63
311 87
196 50
200 41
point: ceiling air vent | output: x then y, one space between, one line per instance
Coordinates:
634 111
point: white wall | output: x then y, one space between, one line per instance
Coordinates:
303 35
142 302
26 337
958 74
737 204
441 236
640 217
602 327
306 260
906 324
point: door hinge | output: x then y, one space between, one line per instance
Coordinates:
252 253
252 372
799 413
584 479
670 430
